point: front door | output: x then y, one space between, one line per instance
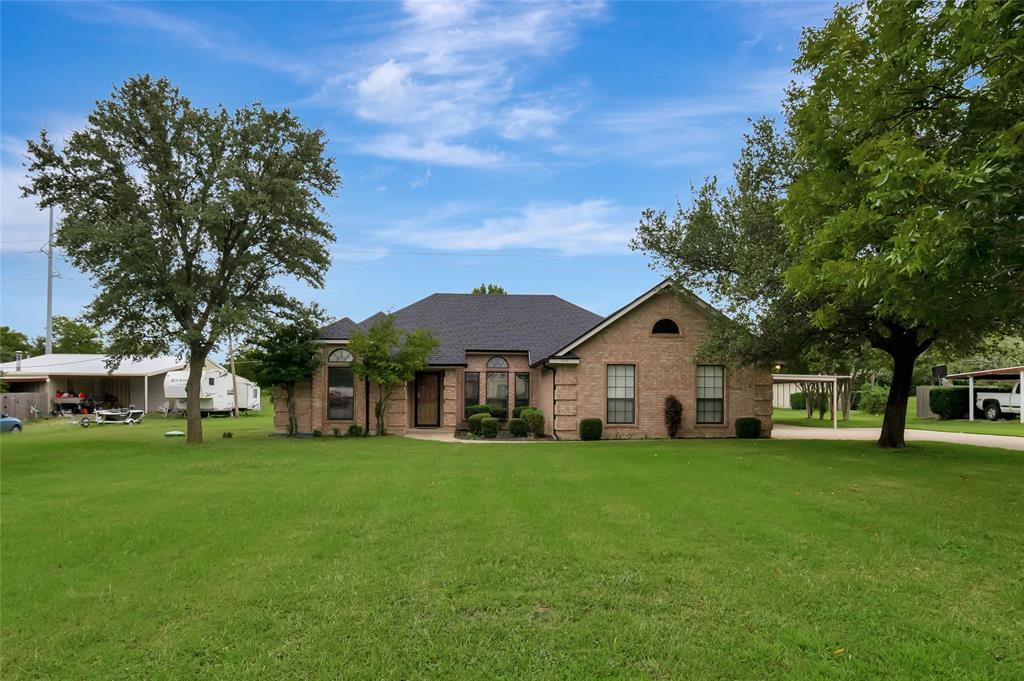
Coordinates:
428 400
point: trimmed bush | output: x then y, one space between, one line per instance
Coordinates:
673 415
873 399
517 427
317 433
534 419
477 409
355 430
336 431
489 426
476 422
798 401
499 412
950 403
590 429
517 413
748 428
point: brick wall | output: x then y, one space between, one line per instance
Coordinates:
664 365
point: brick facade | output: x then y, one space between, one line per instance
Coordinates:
664 365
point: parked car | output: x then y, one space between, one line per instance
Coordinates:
995 405
9 424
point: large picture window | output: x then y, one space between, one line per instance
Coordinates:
340 395
621 393
497 389
472 388
522 390
710 394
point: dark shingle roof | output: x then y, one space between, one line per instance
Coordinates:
340 330
464 322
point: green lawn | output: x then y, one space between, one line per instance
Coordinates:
798 417
127 555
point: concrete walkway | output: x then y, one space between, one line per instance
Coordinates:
788 432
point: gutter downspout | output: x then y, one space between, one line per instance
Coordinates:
554 401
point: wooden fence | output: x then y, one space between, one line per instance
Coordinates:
19 405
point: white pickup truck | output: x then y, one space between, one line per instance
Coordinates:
996 404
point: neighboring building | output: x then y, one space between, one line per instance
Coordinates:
132 382
544 351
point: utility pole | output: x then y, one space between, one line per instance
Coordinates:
49 288
234 378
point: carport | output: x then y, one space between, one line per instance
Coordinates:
1004 374
836 381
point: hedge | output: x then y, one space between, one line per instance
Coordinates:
517 427
673 415
355 430
949 403
476 422
748 428
797 401
477 409
498 412
489 426
517 413
534 419
590 429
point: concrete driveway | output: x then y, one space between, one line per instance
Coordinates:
787 432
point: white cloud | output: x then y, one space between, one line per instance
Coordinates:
589 226
409 148
358 254
421 181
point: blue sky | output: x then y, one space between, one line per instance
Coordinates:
506 143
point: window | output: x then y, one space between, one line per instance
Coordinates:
710 394
666 326
621 393
522 390
472 388
210 380
497 389
340 395
340 355
497 363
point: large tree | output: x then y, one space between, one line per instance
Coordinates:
389 357
73 336
907 209
284 353
186 218
10 342
887 213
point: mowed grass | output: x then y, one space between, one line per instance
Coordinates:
127 555
858 419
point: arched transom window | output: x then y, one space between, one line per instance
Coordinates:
666 327
340 355
497 363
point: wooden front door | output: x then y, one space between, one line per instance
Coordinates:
428 400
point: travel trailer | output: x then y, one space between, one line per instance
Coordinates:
217 394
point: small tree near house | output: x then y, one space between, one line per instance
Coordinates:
286 353
673 415
389 357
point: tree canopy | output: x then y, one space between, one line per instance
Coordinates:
389 357
489 290
186 218
890 206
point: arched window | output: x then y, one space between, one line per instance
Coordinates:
497 363
666 326
340 355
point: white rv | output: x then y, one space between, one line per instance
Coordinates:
216 393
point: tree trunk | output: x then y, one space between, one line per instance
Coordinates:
904 350
194 419
380 408
293 420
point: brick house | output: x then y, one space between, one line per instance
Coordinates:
544 351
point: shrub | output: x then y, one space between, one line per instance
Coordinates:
534 419
517 427
517 413
476 422
498 412
590 429
489 426
873 399
336 431
227 435
317 433
748 428
950 403
798 401
477 409
673 415
355 430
